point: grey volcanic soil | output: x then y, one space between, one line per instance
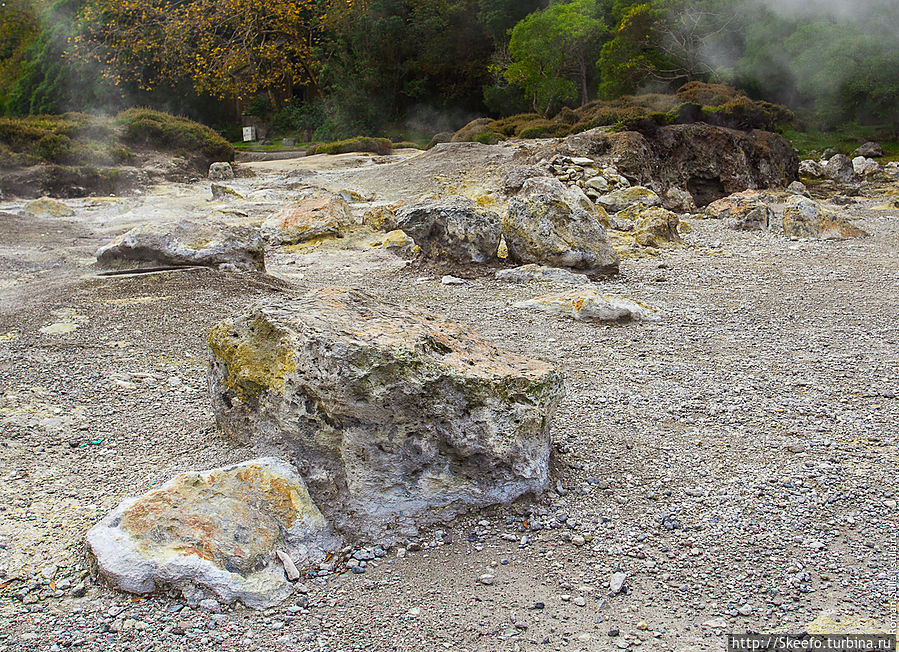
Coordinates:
737 459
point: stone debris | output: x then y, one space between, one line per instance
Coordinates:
186 244
395 418
542 273
592 305
214 535
320 215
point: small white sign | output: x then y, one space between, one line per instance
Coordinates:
249 133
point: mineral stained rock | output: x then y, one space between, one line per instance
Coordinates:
547 225
588 304
214 534
395 419
186 244
454 229
806 218
743 211
320 215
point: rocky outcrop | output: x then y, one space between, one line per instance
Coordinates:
518 175
395 419
743 211
549 224
591 305
806 218
322 215
455 229
217 533
186 244
709 162
811 169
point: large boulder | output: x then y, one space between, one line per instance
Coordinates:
321 215
656 227
396 419
456 229
186 244
590 304
743 211
709 162
865 166
869 150
215 534
839 168
549 224
518 175
806 218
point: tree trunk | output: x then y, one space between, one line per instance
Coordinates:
583 73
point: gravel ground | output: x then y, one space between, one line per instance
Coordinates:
736 461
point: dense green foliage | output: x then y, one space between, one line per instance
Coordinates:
357 144
416 67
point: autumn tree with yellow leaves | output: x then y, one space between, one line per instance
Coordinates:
226 48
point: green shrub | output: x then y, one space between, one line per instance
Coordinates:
359 144
175 134
406 144
489 138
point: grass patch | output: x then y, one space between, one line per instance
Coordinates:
359 144
845 139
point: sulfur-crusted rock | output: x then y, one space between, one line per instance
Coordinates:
656 227
186 244
47 207
744 211
224 193
549 224
381 217
531 272
321 215
592 305
806 218
621 199
395 419
214 534
455 229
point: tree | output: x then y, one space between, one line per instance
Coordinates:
226 48
552 46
